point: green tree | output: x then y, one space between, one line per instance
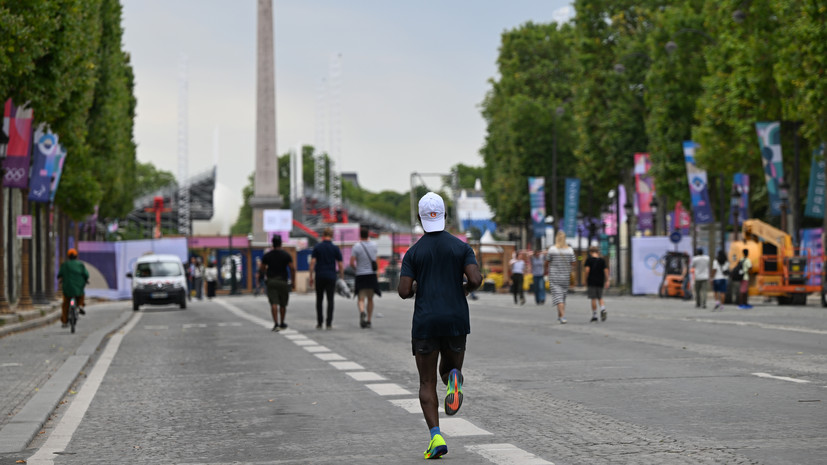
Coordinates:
63 59
673 86
739 89
609 107
149 179
111 116
521 112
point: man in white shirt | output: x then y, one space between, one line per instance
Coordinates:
700 269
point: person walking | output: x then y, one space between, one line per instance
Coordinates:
73 277
538 273
325 266
363 261
433 270
211 277
700 270
597 279
517 265
190 277
261 279
198 278
560 258
741 274
720 271
281 279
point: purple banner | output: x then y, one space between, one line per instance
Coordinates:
811 247
698 186
43 164
645 189
740 202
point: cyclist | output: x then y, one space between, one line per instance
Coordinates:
73 276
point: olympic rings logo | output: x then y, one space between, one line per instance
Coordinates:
15 174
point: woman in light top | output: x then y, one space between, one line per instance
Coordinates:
517 264
560 258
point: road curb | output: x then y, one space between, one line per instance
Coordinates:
19 432
53 313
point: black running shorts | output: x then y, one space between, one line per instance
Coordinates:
442 344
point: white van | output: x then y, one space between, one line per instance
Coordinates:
158 280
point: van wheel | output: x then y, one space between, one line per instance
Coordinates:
183 303
135 305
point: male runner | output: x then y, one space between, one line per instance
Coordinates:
433 270
276 264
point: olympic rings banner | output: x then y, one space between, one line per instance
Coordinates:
647 261
17 123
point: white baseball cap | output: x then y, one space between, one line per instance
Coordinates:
432 212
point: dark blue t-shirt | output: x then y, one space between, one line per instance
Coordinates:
437 263
326 255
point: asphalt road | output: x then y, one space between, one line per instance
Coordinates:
659 382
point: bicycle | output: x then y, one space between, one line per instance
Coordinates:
73 314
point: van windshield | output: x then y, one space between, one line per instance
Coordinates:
158 269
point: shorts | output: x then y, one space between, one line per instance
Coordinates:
595 292
278 292
443 343
719 285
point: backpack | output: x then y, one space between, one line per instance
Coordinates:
738 272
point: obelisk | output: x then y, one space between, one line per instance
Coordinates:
266 181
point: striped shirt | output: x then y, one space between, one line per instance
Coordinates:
559 265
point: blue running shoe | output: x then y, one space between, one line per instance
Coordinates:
436 448
453 400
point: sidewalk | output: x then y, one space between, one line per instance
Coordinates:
38 366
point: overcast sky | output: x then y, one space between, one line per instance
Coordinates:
413 76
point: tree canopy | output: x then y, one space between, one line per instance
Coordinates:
634 76
65 60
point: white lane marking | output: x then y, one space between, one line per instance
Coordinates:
11 364
295 337
155 327
315 349
760 325
388 389
411 405
305 342
782 378
347 366
457 427
366 376
506 454
194 325
65 429
242 314
229 324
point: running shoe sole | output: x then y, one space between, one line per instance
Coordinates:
603 315
453 400
436 448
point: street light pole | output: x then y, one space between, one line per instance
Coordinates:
4 303
630 210
654 206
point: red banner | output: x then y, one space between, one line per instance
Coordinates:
17 123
